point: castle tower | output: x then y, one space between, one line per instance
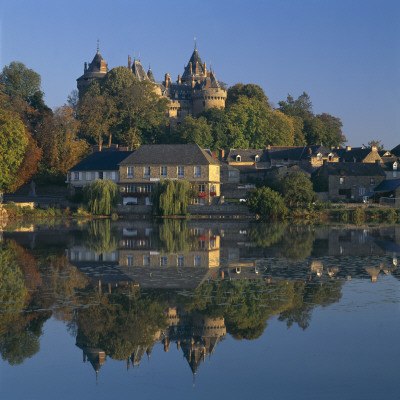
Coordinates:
96 70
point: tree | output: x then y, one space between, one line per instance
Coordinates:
101 197
57 136
377 143
268 203
195 130
251 91
301 107
297 189
171 197
252 124
116 81
97 115
333 130
218 121
20 81
13 144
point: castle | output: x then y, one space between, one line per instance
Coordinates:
196 90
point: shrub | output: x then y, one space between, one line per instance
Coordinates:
268 203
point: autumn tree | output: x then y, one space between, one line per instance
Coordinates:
57 136
13 144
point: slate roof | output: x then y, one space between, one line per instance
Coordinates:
296 153
102 161
353 169
150 75
139 71
356 154
396 150
246 155
169 154
195 57
93 70
388 186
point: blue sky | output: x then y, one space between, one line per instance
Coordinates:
343 53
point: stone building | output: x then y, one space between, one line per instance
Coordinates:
150 163
196 90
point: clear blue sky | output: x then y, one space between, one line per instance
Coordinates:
343 53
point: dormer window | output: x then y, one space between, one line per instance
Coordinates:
238 158
319 156
395 166
330 156
257 158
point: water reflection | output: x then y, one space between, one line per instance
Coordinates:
121 288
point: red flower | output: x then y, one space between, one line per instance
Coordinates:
202 195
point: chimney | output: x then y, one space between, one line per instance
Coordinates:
167 79
374 148
85 68
348 148
129 62
222 153
268 147
179 79
310 151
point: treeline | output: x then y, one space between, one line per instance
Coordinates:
38 142
34 140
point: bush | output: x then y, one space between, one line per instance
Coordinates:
358 216
268 203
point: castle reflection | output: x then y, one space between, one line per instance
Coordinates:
123 288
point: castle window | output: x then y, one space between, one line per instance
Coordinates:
238 158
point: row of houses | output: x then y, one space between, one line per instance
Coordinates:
349 174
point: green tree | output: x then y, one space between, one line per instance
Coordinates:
251 91
20 81
101 197
297 189
218 121
195 130
116 81
268 203
171 197
301 107
13 144
333 130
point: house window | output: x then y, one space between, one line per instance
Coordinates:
181 172
372 181
257 158
130 188
163 172
130 172
130 260
202 188
100 174
76 176
197 261
146 259
163 261
180 260
361 191
112 175
88 176
212 188
341 181
146 172
238 158
197 172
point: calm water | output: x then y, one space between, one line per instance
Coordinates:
199 309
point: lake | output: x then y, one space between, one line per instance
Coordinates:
199 309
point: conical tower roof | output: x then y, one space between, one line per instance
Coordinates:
150 75
195 58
